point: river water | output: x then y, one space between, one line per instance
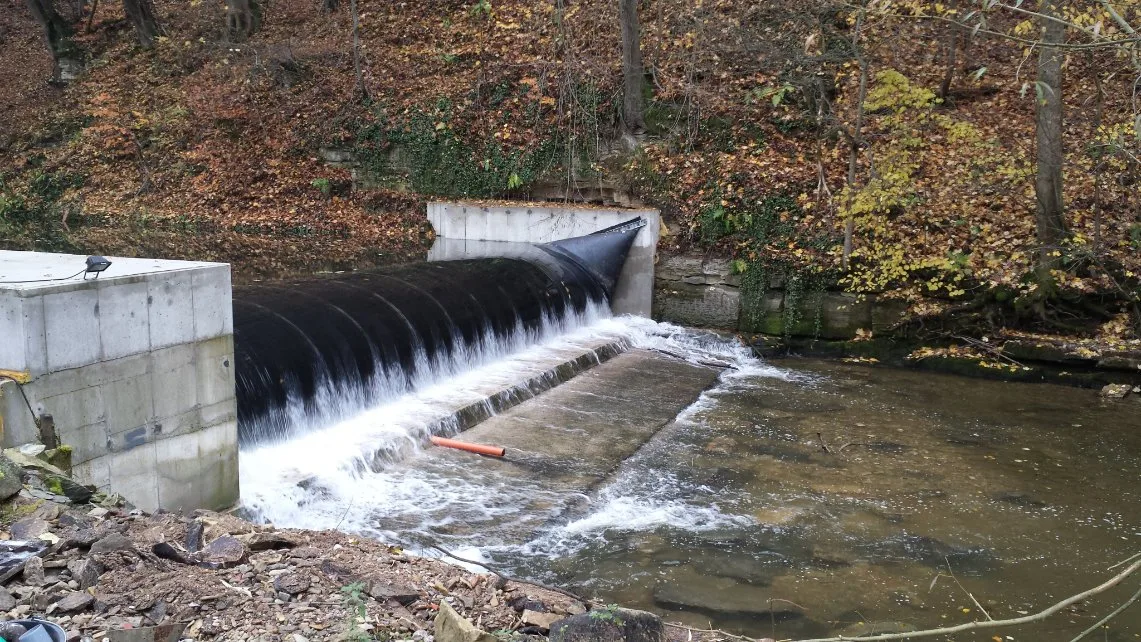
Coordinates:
797 499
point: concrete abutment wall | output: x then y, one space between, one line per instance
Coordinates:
471 230
136 368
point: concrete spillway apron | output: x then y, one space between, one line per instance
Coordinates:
575 436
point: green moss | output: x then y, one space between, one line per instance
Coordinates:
609 613
55 485
59 457
13 512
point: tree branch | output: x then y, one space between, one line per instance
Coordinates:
1109 617
1101 44
992 624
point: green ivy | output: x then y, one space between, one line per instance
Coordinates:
437 158
755 228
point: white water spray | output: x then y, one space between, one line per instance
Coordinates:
328 477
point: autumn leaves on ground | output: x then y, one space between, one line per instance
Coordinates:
213 144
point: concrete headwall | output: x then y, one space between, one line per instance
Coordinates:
136 369
473 230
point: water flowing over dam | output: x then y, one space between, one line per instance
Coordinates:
318 346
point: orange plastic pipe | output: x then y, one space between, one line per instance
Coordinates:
480 449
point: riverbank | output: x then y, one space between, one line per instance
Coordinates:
121 574
1032 359
781 319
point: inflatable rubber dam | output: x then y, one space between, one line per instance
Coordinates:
311 347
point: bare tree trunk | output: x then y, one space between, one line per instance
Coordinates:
633 75
1099 158
951 58
1049 211
855 138
91 16
141 13
57 35
243 17
357 50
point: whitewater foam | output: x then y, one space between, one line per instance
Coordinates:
316 480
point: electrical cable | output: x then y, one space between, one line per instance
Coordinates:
61 278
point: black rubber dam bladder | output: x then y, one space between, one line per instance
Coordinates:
372 332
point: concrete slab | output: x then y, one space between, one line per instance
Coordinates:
12 349
73 318
574 436
134 475
87 442
29 271
198 468
171 309
129 401
215 359
175 375
124 321
71 409
212 300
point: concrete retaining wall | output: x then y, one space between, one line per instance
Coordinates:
471 230
136 369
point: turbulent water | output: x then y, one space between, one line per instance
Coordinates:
348 430
329 476
851 493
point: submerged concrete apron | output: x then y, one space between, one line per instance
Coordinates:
565 442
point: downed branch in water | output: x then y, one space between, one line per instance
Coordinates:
993 624
719 632
1109 617
969 594
725 634
709 363
1124 561
986 347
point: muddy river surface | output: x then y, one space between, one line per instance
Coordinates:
808 498
847 496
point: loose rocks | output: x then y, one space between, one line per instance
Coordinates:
404 595
85 571
75 601
541 620
609 625
451 627
224 551
10 478
291 583
34 571
111 543
29 528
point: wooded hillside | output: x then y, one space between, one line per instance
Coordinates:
884 147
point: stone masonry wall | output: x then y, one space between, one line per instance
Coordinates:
696 291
